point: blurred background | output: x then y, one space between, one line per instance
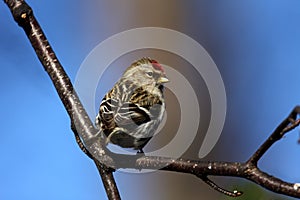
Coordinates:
255 45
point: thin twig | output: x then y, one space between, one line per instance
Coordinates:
209 182
278 133
90 140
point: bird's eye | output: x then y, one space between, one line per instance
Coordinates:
150 74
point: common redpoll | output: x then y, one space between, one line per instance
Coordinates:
132 110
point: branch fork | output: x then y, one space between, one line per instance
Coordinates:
90 140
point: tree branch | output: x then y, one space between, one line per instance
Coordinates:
80 122
202 169
285 126
90 140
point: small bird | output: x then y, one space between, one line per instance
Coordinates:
132 110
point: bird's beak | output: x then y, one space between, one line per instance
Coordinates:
163 79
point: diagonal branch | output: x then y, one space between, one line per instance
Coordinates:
91 140
80 122
285 126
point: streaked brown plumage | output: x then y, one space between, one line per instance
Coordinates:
132 110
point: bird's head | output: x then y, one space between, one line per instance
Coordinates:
146 72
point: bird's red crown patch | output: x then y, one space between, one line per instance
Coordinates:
157 66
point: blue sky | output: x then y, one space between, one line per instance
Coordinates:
255 45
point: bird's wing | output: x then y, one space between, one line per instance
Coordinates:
138 110
148 102
132 114
127 115
107 110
